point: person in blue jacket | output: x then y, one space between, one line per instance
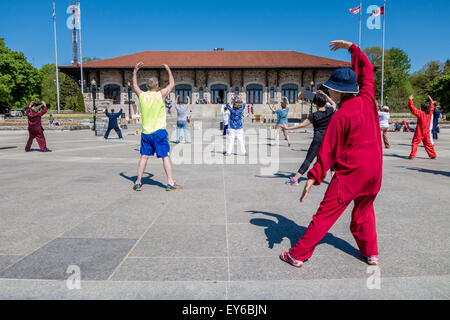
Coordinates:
436 116
112 123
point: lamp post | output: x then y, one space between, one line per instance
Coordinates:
130 95
94 96
311 108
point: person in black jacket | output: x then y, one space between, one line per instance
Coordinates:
112 123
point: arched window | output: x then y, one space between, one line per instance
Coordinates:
254 94
184 91
290 91
236 91
219 93
112 91
272 93
201 93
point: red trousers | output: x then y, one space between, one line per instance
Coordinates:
426 143
331 208
39 135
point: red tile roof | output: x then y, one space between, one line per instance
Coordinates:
218 59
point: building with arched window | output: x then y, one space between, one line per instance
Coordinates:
260 77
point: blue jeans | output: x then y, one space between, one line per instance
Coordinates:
182 124
225 129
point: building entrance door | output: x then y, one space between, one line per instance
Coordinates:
219 94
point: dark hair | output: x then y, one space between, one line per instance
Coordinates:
324 89
320 100
425 107
112 110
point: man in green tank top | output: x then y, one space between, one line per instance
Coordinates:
154 137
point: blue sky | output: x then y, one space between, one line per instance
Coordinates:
114 28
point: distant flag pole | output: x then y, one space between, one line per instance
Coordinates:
356 11
360 22
383 12
56 56
81 51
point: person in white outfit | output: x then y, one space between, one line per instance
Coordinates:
225 120
384 124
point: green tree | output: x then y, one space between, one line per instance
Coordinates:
422 79
19 80
397 87
440 91
69 92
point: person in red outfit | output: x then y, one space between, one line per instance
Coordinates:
35 128
422 132
352 143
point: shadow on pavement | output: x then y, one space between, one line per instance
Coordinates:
443 173
285 228
145 180
6 148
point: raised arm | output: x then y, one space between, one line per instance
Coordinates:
28 109
45 108
271 107
412 108
165 92
189 100
361 65
330 101
432 105
135 83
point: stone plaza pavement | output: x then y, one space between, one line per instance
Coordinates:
219 237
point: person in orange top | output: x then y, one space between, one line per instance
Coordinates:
422 132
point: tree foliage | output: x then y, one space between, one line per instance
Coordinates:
397 87
69 93
440 91
425 77
20 82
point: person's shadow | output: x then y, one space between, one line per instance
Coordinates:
436 172
145 180
285 228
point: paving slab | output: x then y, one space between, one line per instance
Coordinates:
95 258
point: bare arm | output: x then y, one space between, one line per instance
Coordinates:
305 123
165 92
271 107
189 100
135 83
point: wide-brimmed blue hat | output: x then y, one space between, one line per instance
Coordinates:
343 80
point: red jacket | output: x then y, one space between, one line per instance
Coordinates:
34 118
423 119
353 139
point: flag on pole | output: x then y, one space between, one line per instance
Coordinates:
355 10
378 12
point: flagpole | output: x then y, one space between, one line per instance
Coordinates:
360 22
382 70
56 56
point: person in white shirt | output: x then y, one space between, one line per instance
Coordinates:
384 124
225 119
